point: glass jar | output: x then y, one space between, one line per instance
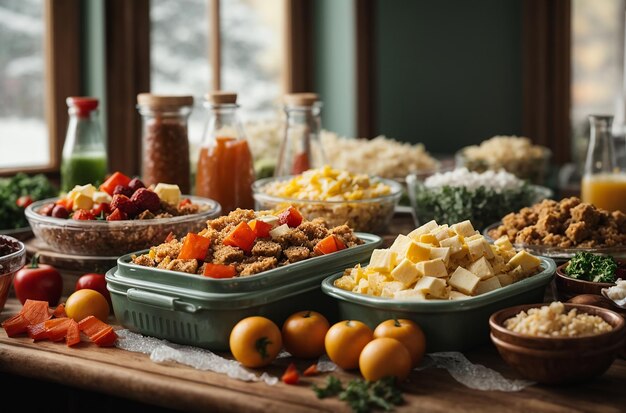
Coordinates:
225 169
84 157
301 148
165 142
604 179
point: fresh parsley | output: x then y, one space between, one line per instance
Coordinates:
592 267
363 396
37 187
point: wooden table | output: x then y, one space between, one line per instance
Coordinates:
115 379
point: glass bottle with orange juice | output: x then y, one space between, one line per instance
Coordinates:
225 170
604 181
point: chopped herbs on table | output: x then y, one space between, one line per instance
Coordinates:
592 267
363 396
11 189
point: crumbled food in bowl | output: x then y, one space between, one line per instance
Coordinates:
246 242
565 224
618 291
462 177
440 262
552 321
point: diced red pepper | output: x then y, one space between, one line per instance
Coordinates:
35 311
184 202
15 325
261 229
291 375
194 247
37 331
329 245
291 216
101 209
117 215
59 311
73 334
66 203
219 270
83 215
242 236
311 370
114 180
91 326
105 338
56 329
169 237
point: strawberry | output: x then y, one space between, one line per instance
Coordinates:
124 190
145 199
101 209
83 215
117 215
135 184
124 204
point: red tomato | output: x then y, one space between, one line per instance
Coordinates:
291 216
95 282
83 215
24 201
38 282
102 209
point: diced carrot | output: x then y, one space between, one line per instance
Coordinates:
114 180
261 229
59 311
105 338
37 331
35 311
194 247
66 203
56 328
291 375
15 325
242 237
73 334
311 370
91 326
339 243
219 270
290 216
169 237
327 246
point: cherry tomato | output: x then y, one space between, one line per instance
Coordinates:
407 333
24 201
303 334
86 302
255 341
38 282
344 342
383 357
95 282
59 211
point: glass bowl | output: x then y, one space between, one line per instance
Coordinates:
365 215
12 258
428 204
115 238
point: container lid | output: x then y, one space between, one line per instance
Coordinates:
163 101
220 97
83 105
301 99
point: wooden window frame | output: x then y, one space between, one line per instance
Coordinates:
62 76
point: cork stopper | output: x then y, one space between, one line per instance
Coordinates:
159 101
220 97
301 99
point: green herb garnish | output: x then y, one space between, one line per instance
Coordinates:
37 187
363 396
592 267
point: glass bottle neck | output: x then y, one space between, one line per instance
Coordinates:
601 152
223 122
83 134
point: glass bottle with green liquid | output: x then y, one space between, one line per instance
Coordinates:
84 152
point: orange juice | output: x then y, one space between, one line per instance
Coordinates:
606 191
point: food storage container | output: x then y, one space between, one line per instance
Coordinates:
449 325
12 257
200 311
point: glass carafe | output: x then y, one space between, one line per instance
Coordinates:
604 180
84 157
301 148
225 170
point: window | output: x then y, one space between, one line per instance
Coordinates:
24 138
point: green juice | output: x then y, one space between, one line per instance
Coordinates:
81 169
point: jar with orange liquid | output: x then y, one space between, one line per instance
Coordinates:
604 181
225 170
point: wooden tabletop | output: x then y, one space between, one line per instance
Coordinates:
134 377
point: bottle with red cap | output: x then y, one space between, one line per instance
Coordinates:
84 152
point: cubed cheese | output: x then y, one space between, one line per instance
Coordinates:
429 239
417 252
525 260
503 243
424 229
487 285
411 294
359 273
488 249
82 201
476 249
376 281
87 190
391 287
383 260
435 287
405 272
464 281
518 273
454 243
440 252
345 283
464 229
456 295
269 219
505 279
400 245
441 233
362 287
481 268
475 236
169 193
433 268
100 197
279 231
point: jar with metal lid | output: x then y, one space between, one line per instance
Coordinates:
165 142
301 148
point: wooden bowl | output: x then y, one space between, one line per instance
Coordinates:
568 287
552 360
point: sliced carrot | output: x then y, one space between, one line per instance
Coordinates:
242 237
339 243
327 246
35 311
219 270
15 325
194 247
73 334
91 326
59 311
56 329
261 229
311 370
105 338
291 375
114 180
37 331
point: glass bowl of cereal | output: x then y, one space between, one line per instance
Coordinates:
559 342
365 203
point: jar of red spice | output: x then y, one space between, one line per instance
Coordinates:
165 143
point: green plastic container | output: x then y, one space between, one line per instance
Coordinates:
192 309
448 325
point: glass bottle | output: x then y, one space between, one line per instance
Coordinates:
84 156
225 170
165 141
301 148
604 179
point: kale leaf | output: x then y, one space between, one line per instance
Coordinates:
592 267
